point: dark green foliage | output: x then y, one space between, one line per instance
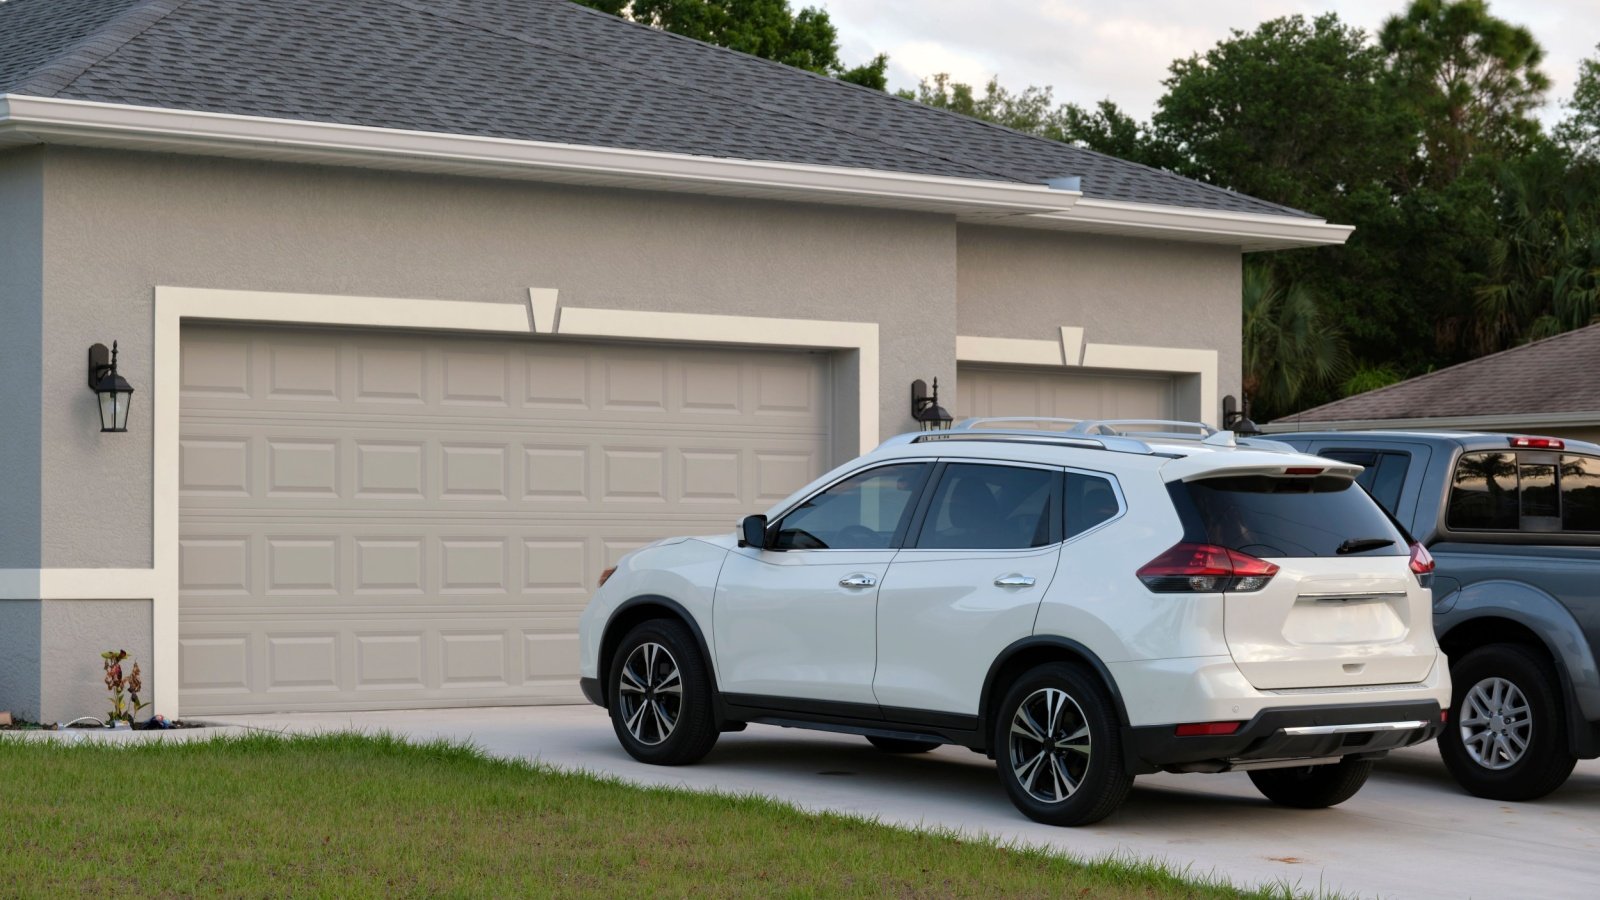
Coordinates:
766 28
1290 349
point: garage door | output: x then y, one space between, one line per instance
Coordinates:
381 521
999 391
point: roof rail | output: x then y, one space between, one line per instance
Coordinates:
1115 443
1163 427
1017 423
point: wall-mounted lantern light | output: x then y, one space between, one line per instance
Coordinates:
111 389
925 407
1235 419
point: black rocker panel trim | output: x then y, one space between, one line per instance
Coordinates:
853 718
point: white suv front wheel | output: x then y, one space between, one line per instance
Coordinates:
659 692
1058 747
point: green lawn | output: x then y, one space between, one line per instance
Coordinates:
352 815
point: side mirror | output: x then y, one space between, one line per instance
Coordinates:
753 532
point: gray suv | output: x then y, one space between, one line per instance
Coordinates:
1513 523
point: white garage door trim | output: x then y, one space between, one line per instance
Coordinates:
1071 351
173 305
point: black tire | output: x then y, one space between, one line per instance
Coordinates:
1545 762
899 745
1313 787
1102 781
689 712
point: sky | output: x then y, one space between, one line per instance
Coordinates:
1120 49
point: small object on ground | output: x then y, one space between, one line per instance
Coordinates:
156 723
83 722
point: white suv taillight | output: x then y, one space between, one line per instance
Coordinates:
1205 569
1421 560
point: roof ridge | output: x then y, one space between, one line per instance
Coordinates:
1427 376
57 74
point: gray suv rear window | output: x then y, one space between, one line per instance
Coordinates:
1271 517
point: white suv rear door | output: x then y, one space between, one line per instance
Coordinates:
800 620
1342 609
967 584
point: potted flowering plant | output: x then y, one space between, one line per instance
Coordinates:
125 702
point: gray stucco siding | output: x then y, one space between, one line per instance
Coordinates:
117 225
19 658
72 635
21 345
1020 283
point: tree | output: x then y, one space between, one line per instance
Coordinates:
1580 131
1291 112
1105 129
766 28
1544 261
1031 111
1473 79
1299 112
1289 347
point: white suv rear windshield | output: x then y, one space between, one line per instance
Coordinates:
1270 517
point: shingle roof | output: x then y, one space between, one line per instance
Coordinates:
1556 375
543 70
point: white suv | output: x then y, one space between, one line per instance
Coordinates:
1082 601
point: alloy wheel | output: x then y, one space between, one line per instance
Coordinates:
650 693
1049 745
1496 724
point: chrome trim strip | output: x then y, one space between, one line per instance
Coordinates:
1302 730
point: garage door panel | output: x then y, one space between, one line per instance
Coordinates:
1065 394
382 521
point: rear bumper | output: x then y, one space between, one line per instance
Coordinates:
1285 733
591 691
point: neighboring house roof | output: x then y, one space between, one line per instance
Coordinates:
1552 380
536 70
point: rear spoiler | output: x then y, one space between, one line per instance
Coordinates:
1266 463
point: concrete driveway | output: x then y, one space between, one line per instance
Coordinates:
1409 833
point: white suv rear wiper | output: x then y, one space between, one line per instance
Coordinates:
1362 545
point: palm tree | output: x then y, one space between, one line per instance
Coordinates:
1290 347
1544 263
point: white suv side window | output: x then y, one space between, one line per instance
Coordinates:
988 507
862 512
1091 500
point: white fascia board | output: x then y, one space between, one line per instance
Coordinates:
1252 231
1508 422
26 119
53 120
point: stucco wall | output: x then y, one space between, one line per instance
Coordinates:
19 658
119 224
21 287
1020 283
72 635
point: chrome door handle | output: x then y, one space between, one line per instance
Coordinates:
855 581
1014 581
